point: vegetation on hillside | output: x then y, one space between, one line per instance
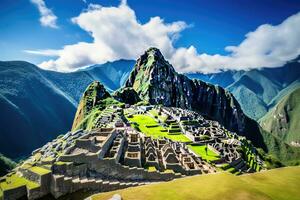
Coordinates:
33 110
6 165
150 127
283 119
257 90
279 153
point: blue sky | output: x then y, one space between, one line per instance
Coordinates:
210 25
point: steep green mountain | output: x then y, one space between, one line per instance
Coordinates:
92 96
111 74
43 103
156 82
257 90
33 110
283 120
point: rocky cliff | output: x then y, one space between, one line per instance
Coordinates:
127 95
156 81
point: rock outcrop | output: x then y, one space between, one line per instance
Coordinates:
156 81
127 95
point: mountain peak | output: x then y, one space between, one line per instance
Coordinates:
155 81
151 65
94 93
153 58
153 51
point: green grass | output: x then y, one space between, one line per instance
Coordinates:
161 117
154 129
277 184
61 163
200 151
288 107
14 181
169 171
39 170
231 170
152 169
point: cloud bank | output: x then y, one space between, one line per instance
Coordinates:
48 18
117 33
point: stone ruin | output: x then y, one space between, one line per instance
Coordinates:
112 156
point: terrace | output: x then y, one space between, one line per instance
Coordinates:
150 127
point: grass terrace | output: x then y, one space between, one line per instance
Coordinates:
152 169
13 181
249 156
39 170
279 184
200 151
161 117
150 127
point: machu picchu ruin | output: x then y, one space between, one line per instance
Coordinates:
116 153
142 134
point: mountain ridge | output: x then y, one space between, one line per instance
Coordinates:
283 119
270 81
41 116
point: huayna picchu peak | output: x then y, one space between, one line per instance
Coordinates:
156 81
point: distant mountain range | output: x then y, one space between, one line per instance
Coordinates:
37 105
257 90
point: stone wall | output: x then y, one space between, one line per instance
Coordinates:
15 193
119 151
30 175
43 180
35 193
111 169
106 144
79 158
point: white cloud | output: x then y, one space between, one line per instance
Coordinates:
48 18
267 46
117 34
44 52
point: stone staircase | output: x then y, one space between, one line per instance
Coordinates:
66 184
239 166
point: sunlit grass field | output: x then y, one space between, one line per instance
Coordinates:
277 184
150 127
200 151
14 181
